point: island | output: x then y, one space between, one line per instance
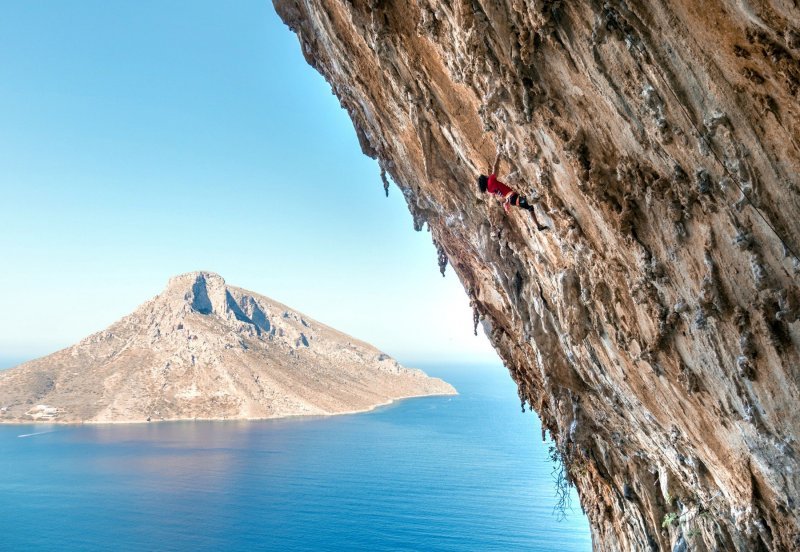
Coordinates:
205 350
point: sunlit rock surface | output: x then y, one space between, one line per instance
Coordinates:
654 328
204 349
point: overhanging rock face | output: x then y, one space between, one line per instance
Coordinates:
654 327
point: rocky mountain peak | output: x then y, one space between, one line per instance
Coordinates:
204 349
195 299
204 292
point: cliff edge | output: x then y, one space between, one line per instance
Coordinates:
654 327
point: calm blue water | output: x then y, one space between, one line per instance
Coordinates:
441 473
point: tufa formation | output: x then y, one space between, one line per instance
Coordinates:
206 350
654 328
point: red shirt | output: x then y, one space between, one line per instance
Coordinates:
494 186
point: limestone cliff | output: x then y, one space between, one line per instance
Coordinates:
204 349
654 328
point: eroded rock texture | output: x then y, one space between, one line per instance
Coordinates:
654 328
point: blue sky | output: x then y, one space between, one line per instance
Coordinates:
139 140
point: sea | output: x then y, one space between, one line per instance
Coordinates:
461 473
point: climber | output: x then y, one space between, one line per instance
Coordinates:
492 185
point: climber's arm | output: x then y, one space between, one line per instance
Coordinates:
496 166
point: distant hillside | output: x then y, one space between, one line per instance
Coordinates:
203 349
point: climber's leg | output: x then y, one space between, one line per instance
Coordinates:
522 202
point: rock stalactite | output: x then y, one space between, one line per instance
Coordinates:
654 328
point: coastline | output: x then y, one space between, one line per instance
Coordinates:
226 419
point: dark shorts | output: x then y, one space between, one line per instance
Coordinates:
519 201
